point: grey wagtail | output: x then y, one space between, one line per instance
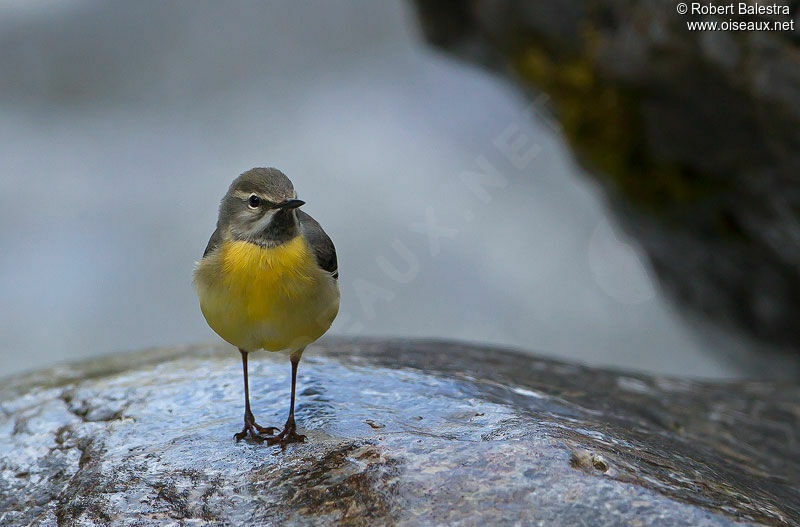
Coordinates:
268 280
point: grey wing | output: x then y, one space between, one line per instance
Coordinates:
322 245
213 242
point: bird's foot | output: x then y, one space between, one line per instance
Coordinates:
269 430
255 431
248 429
288 435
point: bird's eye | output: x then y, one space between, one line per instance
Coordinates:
254 201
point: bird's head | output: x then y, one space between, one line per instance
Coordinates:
260 207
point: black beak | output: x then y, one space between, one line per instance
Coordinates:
291 204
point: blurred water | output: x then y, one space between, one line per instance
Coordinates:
122 124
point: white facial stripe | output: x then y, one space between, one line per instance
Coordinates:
262 223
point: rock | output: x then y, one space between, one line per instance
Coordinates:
693 134
399 432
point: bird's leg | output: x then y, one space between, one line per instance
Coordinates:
289 433
250 425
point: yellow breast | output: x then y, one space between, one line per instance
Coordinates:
266 298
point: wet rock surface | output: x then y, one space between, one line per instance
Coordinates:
399 432
693 135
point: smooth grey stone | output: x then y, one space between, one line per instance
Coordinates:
399 433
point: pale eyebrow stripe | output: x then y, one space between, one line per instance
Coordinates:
246 195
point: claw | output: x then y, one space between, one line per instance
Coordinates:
254 430
287 436
248 429
269 430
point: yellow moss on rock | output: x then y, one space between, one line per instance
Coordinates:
602 122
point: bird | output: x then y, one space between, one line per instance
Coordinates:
268 280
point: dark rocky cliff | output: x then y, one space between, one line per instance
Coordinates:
695 135
399 432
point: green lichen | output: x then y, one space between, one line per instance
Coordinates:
602 122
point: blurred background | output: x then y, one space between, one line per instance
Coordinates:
455 197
